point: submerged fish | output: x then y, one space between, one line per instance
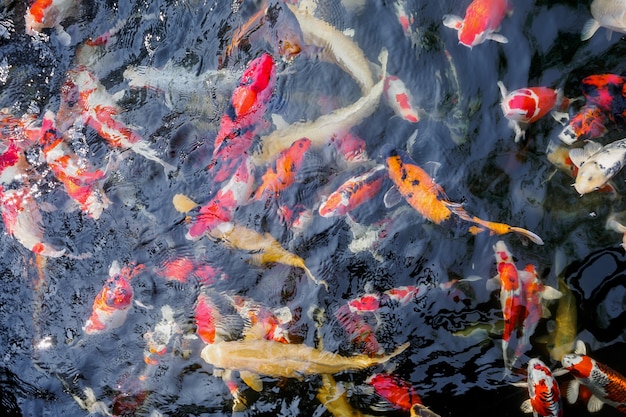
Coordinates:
354 192
431 201
44 14
400 393
610 14
482 20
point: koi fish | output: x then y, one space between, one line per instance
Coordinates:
482 20
360 332
283 173
561 340
605 91
81 182
158 339
111 305
607 385
23 221
83 96
610 14
263 322
543 390
588 123
351 147
420 410
327 126
206 318
400 99
431 201
597 164
44 14
373 301
240 122
527 105
182 269
354 192
264 357
400 394
335 398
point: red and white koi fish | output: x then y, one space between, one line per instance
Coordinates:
241 121
351 147
373 301
83 96
23 220
610 14
283 172
264 323
400 394
360 332
81 182
111 305
44 14
527 105
206 318
158 339
482 20
543 390
607 385
430 200
405 19
354 192
400 99
183 269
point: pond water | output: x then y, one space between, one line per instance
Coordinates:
454 360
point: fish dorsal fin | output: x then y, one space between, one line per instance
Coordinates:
580 155
392 197
590 27
572 391
432 168
497 37
526 407
452 21
595 404
252 380
580 348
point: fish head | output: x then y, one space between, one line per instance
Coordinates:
521 105
590 177
580 366
335 205
117 292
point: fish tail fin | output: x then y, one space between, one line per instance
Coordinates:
527 234
143 149
183 204
313 278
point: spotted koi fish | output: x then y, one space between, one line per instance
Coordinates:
527 105
608 14
597 164
354 192
607 385
543 390
482 20
111 305
430 200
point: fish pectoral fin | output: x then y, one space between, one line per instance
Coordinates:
595 404
252 380
493 283
572 391
580 155
497 37
580 348
550 293
590 27
452 21
526 407
392 197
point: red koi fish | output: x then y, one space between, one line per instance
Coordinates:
527 105
23 220
543 390
536 294
360 332
83 96
590 122
264 323
183 269
401 394
430 200
111 305
283 173
206 317
240 122
373 301
354 192
400 99
351 147
80 181
607 385
482 20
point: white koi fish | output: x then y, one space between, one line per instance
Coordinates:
597 164
610 14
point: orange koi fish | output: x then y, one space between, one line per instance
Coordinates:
401 394
590 122
354 192
607 385
527 105
431 201
83 96
482 20
240 122
81 183
283 172
44 14
543 390
111 305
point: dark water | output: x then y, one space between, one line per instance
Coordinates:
42 314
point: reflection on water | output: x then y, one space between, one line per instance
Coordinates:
166 71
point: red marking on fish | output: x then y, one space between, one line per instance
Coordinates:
527 105
360 333
354 192
365 303
206 316
543 390
396 390
400 99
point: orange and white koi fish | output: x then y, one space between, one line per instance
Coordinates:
400 393
44 14
590 122
83 96
354 192
325 127
371 302
482 20
607 385
241 121
283 173
610 14
81 182
264 323
111 305
430 200
543 390
400 99
527 105
23 220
